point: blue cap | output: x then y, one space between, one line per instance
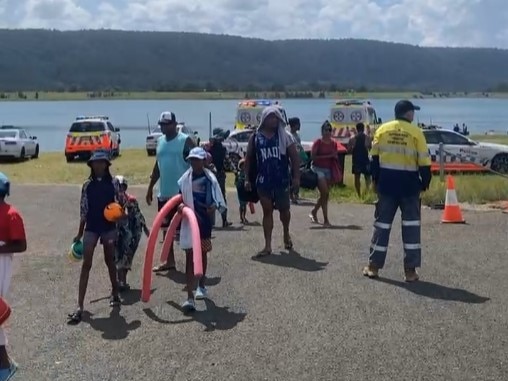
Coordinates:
5 184
98 156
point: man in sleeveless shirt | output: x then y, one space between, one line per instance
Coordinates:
170 164
359 146
270 151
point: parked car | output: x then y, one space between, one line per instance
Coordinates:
91 133
462 154
17 143
151 139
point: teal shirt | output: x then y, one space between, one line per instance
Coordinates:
171 164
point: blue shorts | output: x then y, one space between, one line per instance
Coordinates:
322 173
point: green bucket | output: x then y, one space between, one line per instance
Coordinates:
76 251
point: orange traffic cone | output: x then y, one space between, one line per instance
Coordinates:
452 213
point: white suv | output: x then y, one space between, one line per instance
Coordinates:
151 139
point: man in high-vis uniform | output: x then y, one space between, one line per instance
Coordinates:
400 171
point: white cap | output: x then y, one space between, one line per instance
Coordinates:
197 153
167 117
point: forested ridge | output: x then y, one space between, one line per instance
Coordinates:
46 60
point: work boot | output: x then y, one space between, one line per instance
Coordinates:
371 271
411 274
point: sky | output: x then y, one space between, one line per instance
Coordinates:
471 23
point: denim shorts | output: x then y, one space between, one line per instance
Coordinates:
322 173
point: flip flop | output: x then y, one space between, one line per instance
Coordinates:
164 267
313 219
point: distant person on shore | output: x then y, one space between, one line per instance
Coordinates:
399 176
12 240
270 151
170 164
359 146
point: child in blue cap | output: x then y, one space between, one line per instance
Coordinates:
12 240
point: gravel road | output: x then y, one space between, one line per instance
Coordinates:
303 316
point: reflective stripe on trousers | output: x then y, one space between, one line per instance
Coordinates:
384 214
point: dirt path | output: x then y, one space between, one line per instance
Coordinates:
307 316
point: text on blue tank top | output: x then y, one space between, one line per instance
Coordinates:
273 170
171 164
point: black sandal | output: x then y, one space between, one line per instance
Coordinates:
75 317
114 301
288 244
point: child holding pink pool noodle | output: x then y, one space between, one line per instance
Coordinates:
200 192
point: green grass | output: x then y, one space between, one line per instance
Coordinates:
216 95
51 168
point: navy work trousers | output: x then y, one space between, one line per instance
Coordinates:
384 214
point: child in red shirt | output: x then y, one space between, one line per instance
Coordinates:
12 240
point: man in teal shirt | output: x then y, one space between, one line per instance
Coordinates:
170 164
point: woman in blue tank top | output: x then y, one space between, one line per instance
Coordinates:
270 151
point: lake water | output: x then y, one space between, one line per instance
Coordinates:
50 121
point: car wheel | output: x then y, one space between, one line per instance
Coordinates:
69 158
22 154
500 163
150 152
36 154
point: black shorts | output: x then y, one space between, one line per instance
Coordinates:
169 216
280 198
361 169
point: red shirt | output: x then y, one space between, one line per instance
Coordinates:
321 149
11 224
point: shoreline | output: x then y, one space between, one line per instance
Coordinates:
51 96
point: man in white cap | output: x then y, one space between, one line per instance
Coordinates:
12 240
170 164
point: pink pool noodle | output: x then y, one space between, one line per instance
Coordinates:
187 214
150 246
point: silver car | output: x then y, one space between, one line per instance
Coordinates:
151 139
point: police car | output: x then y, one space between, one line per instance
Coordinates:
153 136
462 154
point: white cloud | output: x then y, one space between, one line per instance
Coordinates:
420 22
59 14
